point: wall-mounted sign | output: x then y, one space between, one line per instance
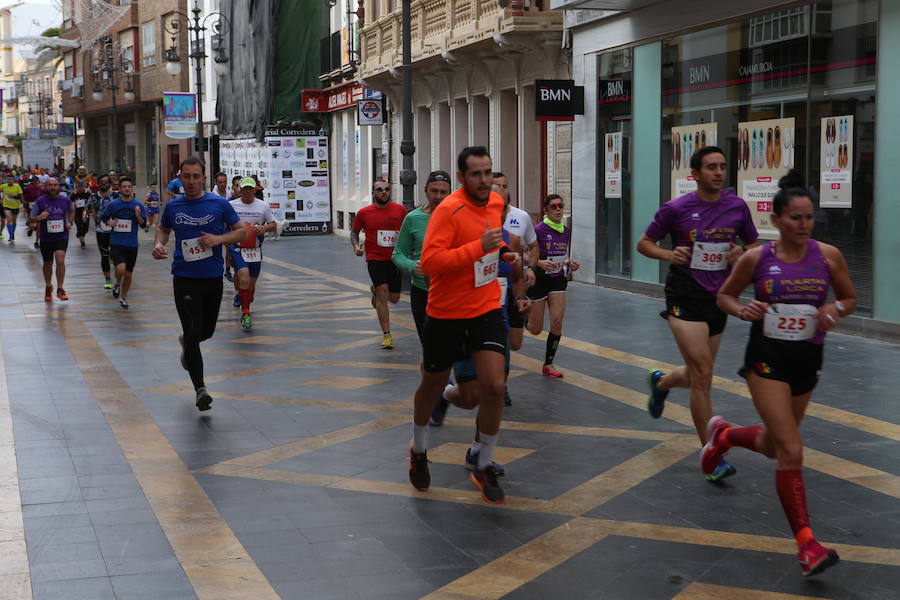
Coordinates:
180 114
613 155
557 100
370 112
331 99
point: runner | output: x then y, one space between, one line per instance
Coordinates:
704 225
80 199
201 222
246 255
152 203
549 290
783 360
12 200
99 199
33 191
221 185
175 187
462 246
124 215
53 213
409 244
235 195
381 221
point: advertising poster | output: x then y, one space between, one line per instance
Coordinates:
765 154
613 156
836 162
179 114
38 153
298 179
686 140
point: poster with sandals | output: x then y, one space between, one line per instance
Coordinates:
765 154
836 162
686 140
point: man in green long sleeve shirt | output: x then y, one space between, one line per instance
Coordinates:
409 244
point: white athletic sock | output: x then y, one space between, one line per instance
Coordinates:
418 445
486 453
476 446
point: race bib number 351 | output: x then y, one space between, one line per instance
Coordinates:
709 257
251 254
791 322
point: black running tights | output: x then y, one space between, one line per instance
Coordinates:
197 301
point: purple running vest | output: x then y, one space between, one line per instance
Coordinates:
552 243
804 282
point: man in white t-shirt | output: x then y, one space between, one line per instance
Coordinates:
246 256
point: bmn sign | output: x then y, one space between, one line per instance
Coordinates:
557 100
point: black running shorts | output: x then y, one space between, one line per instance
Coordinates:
544 285
384 272
124 254
796 363
49 248
447 341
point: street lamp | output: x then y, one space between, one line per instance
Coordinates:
39 93
407 145
109 67
220 27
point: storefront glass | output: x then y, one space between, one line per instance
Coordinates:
614 71
762 88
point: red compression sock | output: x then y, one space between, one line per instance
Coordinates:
244 295
743 437
252 296
792 493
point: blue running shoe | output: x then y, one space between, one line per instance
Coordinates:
657 399
228 275
472 463
236 302
725 469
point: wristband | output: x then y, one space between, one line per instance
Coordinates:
840 306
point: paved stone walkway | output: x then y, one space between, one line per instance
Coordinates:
112 485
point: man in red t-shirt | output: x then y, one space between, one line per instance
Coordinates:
381 222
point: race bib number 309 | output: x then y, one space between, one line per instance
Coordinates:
709 257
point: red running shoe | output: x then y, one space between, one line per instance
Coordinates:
61 294
713 451
48 293
419 476
549 371
815 558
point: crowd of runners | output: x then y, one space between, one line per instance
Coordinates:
482 272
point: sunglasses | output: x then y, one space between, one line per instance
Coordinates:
382 189
555 206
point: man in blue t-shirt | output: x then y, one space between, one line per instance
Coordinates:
202 223
175 187
123 216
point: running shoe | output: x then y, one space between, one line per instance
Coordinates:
246 321
713 451
117 289
815 558
723 469
123 303
388 342
236 301
37 245
107 285
372 288
507 401
12 241
657 399
229 276
61 294
29 232
472 463
439 412
203 399
486 481
549 371
419 476
183 361
48 293
83 245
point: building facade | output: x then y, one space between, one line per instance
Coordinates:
474 68
775 85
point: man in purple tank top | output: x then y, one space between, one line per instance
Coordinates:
704 227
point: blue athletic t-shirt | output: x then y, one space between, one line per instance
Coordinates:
125 233
190 218
175 186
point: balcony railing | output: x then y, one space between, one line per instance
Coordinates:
443 25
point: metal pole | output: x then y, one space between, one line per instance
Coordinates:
198 55
115 116
407 146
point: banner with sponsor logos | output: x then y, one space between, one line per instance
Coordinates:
836 162
179 114
686 140
765 155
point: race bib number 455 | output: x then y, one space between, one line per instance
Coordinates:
791 322
710 257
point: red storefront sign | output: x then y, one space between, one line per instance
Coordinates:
331 99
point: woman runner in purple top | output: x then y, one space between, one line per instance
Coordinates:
704 227
790 317
549 289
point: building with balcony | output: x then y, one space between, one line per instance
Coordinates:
128 117
474 64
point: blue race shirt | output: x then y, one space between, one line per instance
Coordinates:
123 212
188 219
175 186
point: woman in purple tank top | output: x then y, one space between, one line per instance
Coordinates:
790 316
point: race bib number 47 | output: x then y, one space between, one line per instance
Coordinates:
791 322
710 257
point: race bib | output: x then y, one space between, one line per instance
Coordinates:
55 226
559 262
504 286
191 250
708 256
104 227
792 322
251 254
79 203
486 269
123 225
154 204
387 238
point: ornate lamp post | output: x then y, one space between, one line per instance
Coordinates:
220 26
111 70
